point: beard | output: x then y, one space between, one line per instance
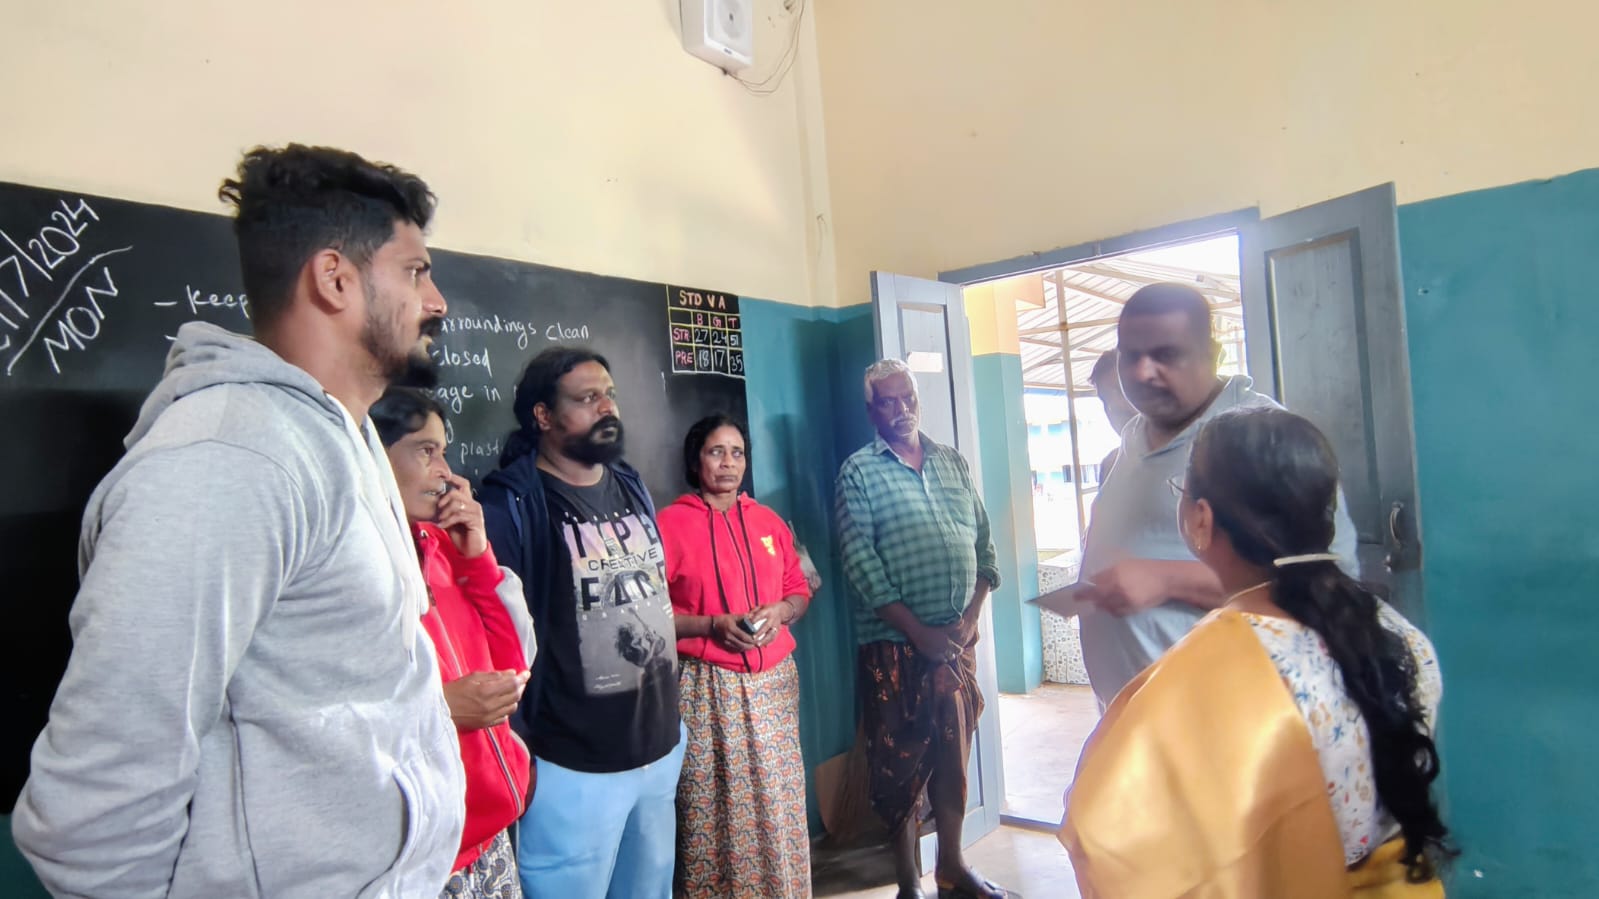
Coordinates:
419 368
591 449
399 364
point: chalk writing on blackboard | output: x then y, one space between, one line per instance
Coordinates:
522 331
705 332
476 354
198 299
77 315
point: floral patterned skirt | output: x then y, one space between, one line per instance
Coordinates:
741 828
492 876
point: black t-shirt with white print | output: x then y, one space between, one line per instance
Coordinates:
609 696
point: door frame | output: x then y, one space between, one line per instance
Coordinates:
891 293
1152 238
1235 222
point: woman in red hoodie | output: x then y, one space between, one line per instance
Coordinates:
736 584
481 630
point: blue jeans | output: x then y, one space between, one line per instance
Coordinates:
601 836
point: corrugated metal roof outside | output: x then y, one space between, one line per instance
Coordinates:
1093 294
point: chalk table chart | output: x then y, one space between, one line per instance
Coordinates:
706 335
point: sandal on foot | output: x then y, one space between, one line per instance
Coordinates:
987 889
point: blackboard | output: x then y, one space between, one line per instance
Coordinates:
92 290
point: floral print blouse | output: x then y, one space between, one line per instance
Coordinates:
1336 726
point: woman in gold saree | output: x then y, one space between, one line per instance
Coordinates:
1284 748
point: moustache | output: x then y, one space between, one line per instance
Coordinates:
593 449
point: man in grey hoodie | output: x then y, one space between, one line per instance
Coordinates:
251 707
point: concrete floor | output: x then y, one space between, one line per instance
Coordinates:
1042 734
1027 862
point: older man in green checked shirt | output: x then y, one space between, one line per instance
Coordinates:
918 557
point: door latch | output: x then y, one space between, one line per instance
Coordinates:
1396 552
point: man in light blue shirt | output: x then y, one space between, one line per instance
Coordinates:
1148 589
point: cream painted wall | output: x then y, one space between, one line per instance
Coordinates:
577 134
957 137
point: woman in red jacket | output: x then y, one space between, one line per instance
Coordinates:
736 584
481 630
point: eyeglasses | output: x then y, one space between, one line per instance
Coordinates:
1176 486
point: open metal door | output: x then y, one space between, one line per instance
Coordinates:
1324 318
924 323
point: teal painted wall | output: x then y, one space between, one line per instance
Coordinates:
1503 314
807 413
1008 495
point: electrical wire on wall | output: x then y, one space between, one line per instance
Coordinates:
773 82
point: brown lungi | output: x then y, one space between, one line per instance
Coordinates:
917 714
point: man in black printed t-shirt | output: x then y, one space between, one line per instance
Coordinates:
600 710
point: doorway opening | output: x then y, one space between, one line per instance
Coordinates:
1065 320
